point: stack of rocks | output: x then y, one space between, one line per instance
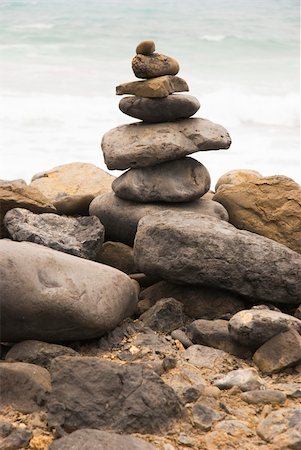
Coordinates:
160 176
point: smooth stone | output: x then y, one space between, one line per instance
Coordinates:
166 109
89 439
237 177
195 249
263 396
203 356
269 206
24 387
49 295
280 425
38 352
72 186
118 255
181 336
91 393
291 390
245 379
182 180
154 87
19 195
154 65
120 217
145 48
142 144
203 416
254 327
165 316
280 352
200 302
78 236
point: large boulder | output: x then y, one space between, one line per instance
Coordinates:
269 206
154 65
166 109
142 144
71 187
120 217
196 249
78 236
154 87
49 295
181 180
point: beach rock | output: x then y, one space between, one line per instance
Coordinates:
153 88
237 177
282 427
280 352
142 144
269 206
245 379
203 416
16 439
72 186
200 302
263 396
24 387
89 439
165 316
154 65
145 48
197 249
118 255
203 356
78 236
89 392
19 195
49 295
38 352
166 109
254 327
182 180
120 217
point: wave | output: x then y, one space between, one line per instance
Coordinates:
34 26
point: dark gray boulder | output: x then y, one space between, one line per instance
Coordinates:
165 316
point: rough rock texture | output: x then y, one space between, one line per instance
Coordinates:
19 195
182 180
203 356
192 249
282 427
141 144
166 109
245 379
23 386
200 302
237 177
118 255
153 88
270 206
16 439
78 236
280 352
38 352
165 316
89 439
88 392
49 295
120 217
73 186
145 48
253 327
263 396
203 416
154 65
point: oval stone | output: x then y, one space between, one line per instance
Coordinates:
146 48
154 65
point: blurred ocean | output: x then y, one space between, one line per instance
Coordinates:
61 60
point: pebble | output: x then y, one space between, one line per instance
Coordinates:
245 379
145 48
264 396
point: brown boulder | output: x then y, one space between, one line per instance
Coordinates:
237 177
153 88
154 65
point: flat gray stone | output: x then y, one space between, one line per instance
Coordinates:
203 356
78 236
195 249
282 425
263 396
182 180
245 379
203 416
49 295
142 145
166 109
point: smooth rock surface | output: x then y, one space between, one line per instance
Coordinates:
192 249
92 393
253 327
269 206
237 177
73 186
166 109
146 47
245 379
78 236
120 217
263 396
49 295
154 65
280 352
182 180
118 255
141 144
24 387
153 88
165 316
89 439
